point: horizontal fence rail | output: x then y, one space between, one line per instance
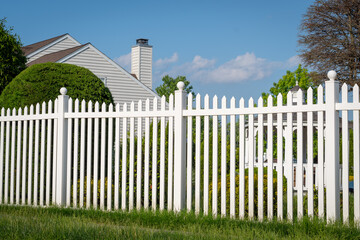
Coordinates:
270 158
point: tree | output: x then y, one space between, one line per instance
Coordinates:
330 38
288 81
12 59
169 86
42 82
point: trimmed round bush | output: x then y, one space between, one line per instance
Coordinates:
42 82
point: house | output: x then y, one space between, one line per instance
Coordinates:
125 87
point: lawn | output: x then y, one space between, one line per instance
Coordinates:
18 222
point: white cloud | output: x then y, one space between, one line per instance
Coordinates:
294 61
164 62
124 61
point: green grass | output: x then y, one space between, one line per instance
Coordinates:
17 222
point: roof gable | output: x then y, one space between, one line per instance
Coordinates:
36 46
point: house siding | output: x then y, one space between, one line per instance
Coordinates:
123 88
62 45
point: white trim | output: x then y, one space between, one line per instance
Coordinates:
52 44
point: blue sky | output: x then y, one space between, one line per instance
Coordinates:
231 48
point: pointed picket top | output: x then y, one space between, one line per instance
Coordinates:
171 97
43 108
125 107
270 101
320 95
50 106
2 112
223 102
97 106
155 104
251 102
25 111
14 112
279 99
147 105
77 105
31 110
37 108
90 106
163 103
206 101
260 102
289 98
111 107
190 100
70 104
56 105
344 93
83 106
198 101
103 107
356 93
310 96
20 111
117 107
242 103
300 97
139 105
215 102
232 102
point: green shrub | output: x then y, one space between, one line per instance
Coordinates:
42 82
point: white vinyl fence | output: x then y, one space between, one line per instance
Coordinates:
252 161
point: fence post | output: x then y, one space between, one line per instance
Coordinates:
61 162
332 149
179 149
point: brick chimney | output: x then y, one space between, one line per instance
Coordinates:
141 61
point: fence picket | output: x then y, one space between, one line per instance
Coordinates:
139 158
2 156
189 155
7 153
242 161
110 145
18 157
197 156
289 159
82 155
36 160
300 159
89 157
42 155
170 154
356 157
232 160
321 200
260 161
131 159
215 159
270 160
310 155
206 157
146 157
162 155
251 161
223 159
48 154
69 152
55 144
96 156
279 156
12 166
30 158
117 158
102 158
154 157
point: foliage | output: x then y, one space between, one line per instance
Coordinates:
169 86
12 59
288 81
42 82
330 38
